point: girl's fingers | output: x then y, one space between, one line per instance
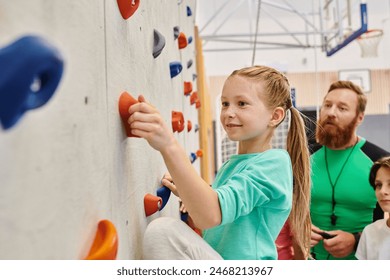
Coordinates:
143 107
183 209
169 185
167 182
141 98
167 176
146 127
142 117
140 133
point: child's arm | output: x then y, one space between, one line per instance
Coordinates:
201 201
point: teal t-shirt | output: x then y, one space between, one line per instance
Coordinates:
355 198
255 195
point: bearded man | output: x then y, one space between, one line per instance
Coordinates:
342 200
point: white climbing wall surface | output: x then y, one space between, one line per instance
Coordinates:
69 164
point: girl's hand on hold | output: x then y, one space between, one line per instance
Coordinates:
146 122
182 208
168 182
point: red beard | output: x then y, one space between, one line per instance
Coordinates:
329 134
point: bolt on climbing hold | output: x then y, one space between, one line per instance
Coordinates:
152 204
189 63
164 193
176 32
125 102
189 12
190 40
177 121
189 126
105 244
187 88
127 7
193 157
159 43
31 69
194 98
182 40
175 68
184 216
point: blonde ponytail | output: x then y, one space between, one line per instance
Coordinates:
297 147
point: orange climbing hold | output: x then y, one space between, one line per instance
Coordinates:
194 98
127 7
177 121
105 245
152 204
182 40
125 102
199 153
189 126
187 88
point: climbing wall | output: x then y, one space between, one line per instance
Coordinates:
69 164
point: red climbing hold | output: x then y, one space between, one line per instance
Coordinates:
177 121
194 98
189 126
152 204
125 102
127 7
187 88
182 40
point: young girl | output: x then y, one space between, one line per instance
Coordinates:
251 197
374 243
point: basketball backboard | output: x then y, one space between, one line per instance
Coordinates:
343 21
360 77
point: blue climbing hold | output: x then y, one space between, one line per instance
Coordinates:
192 157
189 40
175 68
164 193
31 69
189 12
184 216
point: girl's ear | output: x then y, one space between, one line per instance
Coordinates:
277 117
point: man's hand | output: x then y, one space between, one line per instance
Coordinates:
341 245
315 235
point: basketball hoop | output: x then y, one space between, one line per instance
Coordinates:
369 42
